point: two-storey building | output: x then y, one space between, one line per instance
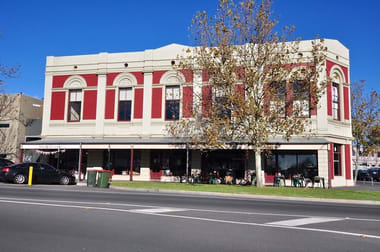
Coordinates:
112 108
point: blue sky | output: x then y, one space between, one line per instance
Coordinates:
32 30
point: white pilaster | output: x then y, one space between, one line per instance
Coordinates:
148 82
197 90
47 103
100 104
101 93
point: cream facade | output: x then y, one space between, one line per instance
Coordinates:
111 105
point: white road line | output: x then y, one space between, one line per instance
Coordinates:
157 210
195 218
187 209
78 202
304 221
273 226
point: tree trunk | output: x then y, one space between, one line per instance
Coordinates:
259 179
356 166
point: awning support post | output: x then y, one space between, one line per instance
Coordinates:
131 167
80 163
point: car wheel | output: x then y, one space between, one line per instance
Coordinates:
19 179
64 180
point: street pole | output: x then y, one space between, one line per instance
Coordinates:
80 163
131 166
109 158
187 162
58 157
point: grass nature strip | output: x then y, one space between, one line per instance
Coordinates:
346 194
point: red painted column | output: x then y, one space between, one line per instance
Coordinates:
347 155
329 99
346 99
21 158
131 167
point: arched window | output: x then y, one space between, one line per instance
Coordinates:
337 81
75 84
172 81
125 83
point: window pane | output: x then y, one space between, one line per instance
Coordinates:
279 89
172 93
223 110
219 93
75 108
337 160
301 108
172 110
307 165
75 95
278 107
125 110
270 165
125 94
335 94
287 164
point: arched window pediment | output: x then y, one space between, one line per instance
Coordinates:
75 82
172 78
125 80
336 75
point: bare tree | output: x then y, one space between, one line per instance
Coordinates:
365 121
259 84
7 110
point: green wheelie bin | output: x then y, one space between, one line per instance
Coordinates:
91 178
103 179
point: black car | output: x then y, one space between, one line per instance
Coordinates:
364 175
375 173
42 173
5 162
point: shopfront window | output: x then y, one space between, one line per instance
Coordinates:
171 162
290 163
337 160
121 161
287 164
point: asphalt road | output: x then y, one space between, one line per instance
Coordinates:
72 218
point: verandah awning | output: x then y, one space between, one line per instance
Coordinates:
145 143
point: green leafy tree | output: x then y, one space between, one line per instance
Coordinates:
259 84
365 121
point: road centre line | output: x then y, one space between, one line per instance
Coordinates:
304 221
189 209
157 210
195 218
